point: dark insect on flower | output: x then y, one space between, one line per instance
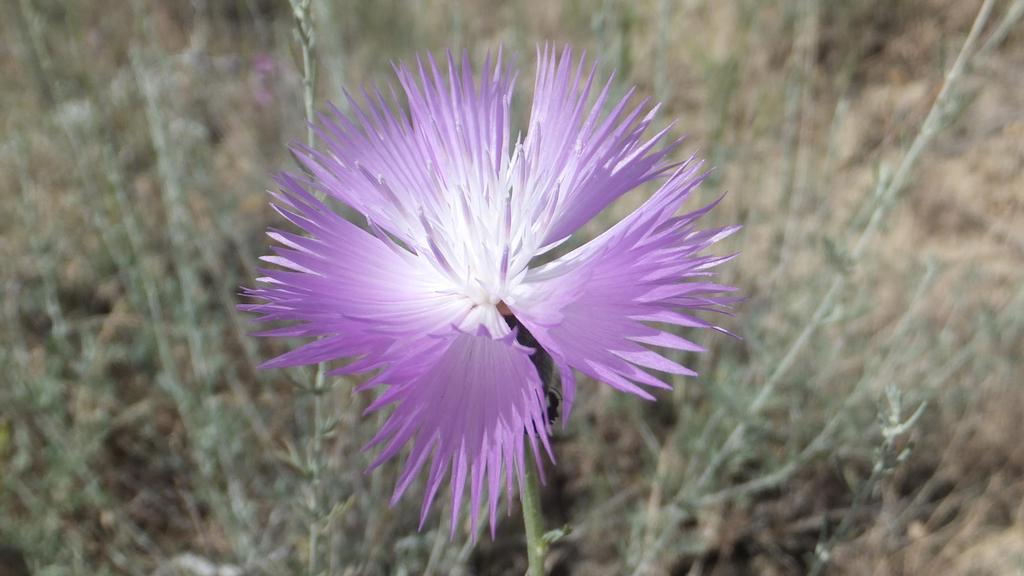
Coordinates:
541 361
434 290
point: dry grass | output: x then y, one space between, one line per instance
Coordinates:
136 436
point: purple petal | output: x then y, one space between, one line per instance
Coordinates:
574 152
346 284
592 309
468 412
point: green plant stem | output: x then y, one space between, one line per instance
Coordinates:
303 16
533 519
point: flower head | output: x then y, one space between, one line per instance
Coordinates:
431 283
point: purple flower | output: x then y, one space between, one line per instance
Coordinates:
454 213
263 70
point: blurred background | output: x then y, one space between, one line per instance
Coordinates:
868 421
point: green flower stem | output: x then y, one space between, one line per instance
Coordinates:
533 518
